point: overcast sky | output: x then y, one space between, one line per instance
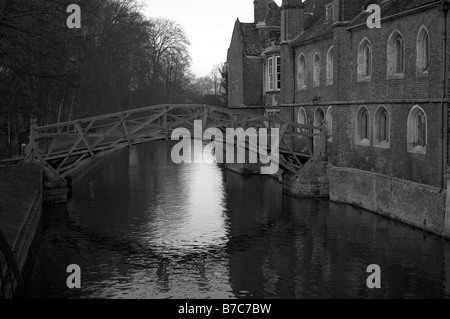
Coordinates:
207 23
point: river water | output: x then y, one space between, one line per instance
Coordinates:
144 227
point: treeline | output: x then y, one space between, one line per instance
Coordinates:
116 61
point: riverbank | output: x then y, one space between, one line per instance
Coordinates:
20 207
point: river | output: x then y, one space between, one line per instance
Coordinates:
144 227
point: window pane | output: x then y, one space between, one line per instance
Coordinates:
367 61
383 127
426 52
398 51
364 126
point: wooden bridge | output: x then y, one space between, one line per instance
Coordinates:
64 148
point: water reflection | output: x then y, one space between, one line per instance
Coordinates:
144 227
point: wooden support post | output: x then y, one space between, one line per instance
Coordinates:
31 157
323 143
166 132
205 119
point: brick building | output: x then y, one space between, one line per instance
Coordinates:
382 94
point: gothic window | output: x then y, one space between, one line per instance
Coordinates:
362 127
329 124
417 130
423 52
330 66
329 11
364 60
396 53
301 71
301 118
316 70
382 128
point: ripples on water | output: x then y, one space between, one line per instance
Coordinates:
143 227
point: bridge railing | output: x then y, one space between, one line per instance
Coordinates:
11 285
63 148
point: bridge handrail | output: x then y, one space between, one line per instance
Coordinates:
178 106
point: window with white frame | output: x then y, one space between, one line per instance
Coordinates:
316 70
329 10
278 73
382 128
301 72
423 52
362 127
270 78
274 73
330 66
417 130
396 54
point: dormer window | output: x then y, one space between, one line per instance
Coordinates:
329 9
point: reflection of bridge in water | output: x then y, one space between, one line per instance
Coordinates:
65 148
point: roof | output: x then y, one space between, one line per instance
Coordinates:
250 37
273 17
389 8
316 25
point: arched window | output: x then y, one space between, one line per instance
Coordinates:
396 54
329 124
316 70
398 51
382 128
423 52
364 60
330 66
319 119
301 71
362 127
301 116
417 130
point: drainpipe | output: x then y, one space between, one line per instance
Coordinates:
444 8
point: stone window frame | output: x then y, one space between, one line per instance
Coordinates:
393 56
330 66
415 133
423 59
302 110
316 69
360 140
318 122
329 123
365 69
378 125
301 71
329 12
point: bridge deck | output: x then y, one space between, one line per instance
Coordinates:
64 148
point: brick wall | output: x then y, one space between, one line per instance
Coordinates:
324 91
252 81
419 205
235 68
396 160
411 86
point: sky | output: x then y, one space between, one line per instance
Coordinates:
208 25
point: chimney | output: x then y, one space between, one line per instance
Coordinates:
292 19
261 8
